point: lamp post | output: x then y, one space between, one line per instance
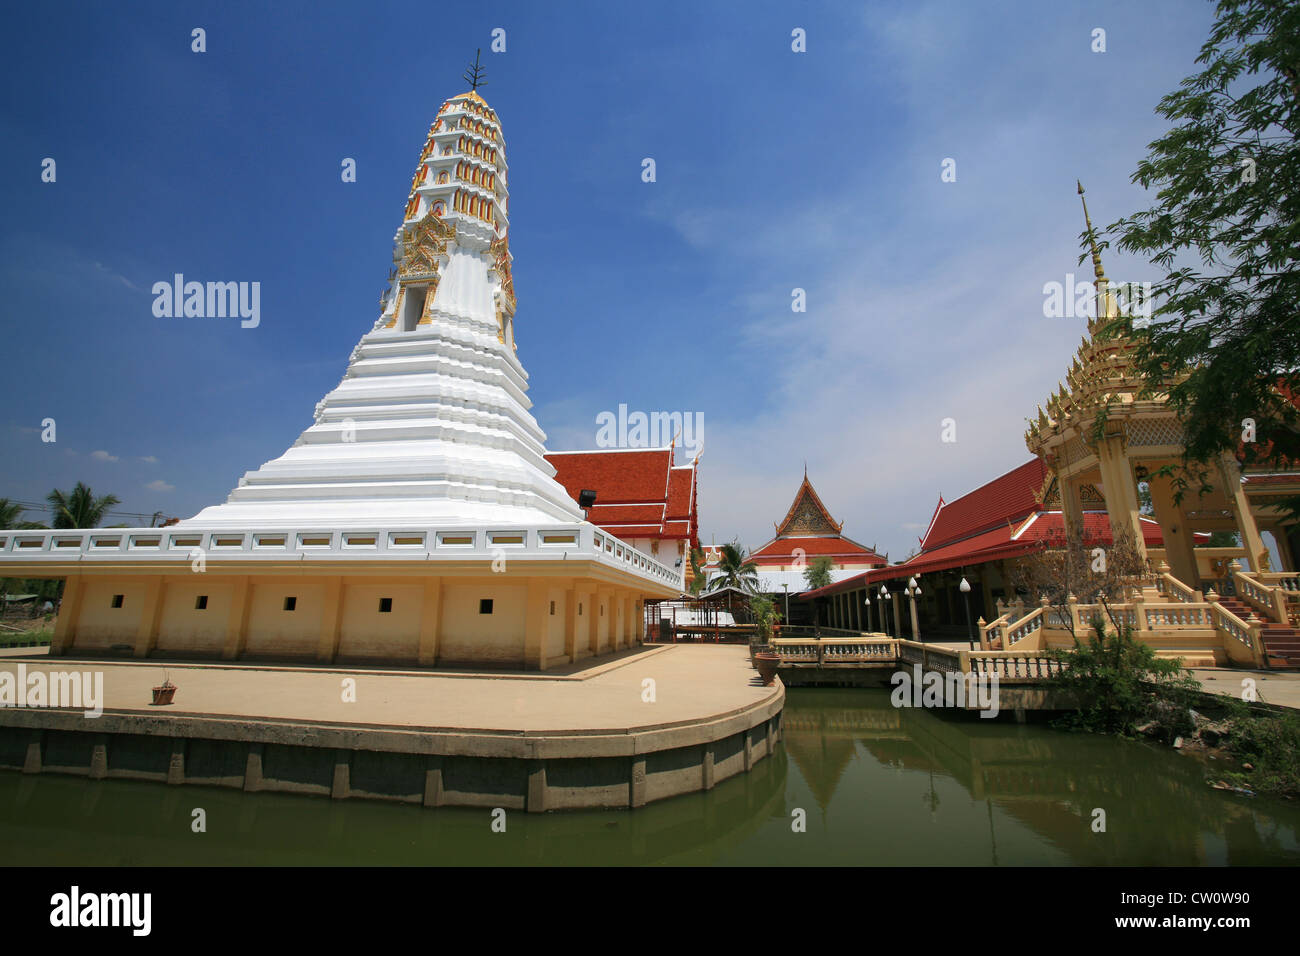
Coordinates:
881 598
914 592
964 587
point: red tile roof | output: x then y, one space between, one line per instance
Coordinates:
1009 497
781 550
639 492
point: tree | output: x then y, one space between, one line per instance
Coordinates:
696 557
10 513
79 508
735 569
1224 344
818 574
1077 565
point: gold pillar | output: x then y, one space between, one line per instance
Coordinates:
1120 489
1179 546
1071 505
1240 504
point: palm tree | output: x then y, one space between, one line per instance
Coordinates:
80 508
735 569
10 513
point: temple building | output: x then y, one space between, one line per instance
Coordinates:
417 520
642 498
1098 438
978 537
806 533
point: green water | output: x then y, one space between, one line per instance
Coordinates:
877 786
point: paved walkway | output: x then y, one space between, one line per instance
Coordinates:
690 684
1280 688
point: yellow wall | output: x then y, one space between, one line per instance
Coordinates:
466 636
366 633
184 629
275 632
99 624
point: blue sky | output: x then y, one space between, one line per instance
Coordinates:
775 170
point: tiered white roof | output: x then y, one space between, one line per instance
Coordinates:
430 423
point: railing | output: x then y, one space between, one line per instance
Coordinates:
1012 666
1288 582
1246 634
835 651
1173 616
1005 665
930 657
1271 602
994 631
181 544
1176 590
1027 625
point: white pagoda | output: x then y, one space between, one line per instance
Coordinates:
416 521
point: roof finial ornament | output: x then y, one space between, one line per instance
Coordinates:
1097 270
474 75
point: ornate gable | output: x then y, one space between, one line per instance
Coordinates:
807 516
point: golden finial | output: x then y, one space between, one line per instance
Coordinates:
1098 272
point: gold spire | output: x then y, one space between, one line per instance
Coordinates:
1098 272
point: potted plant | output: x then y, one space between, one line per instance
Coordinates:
761 653
164 692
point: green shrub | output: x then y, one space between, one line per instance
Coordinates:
1118 683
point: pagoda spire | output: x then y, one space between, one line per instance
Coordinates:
474 75
1105 302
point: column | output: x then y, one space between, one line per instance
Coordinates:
331 619
1178 536
65 626
895 598
571 619
1240 504
237 623
593 621
536 614
1120 490
146 635
430 621
1071 506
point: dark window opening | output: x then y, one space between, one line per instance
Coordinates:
291 604
385 605
201 602
485 606
117 600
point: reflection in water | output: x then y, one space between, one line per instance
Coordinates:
878 786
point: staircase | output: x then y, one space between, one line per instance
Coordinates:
1281 642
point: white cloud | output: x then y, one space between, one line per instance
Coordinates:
160 485
149 458
103 456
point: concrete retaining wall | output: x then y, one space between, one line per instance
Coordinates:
552 771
